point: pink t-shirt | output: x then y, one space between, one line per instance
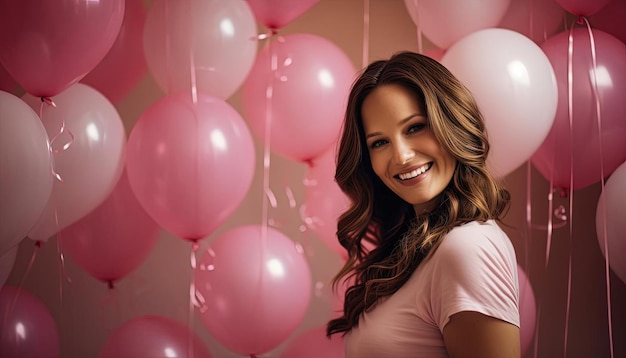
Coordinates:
474 269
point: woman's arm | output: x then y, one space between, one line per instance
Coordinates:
474 335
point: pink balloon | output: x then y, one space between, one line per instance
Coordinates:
445 22
611 221
275 14
535 19
552 159
313 343
190 165
611 19
7 260
515 88
124 65
583 7
324 201
50 45
153 336
25 164
528 310
256 288
308 99
89 165
114 239
26 327
219 37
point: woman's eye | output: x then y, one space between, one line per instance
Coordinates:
377 143
416 127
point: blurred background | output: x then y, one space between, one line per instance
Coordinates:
210 201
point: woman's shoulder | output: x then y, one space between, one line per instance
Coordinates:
478 237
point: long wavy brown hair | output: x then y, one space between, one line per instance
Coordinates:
401 239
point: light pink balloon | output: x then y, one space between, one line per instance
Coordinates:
611 19
190 165
324 201
275 14
313 343
535 19
515 88
256 288
26 327
552 159
114 239
25 170
124 65
7 260
444 22
309 92
583 7
49 45
528 310
219 37
153 336
91 164
611 219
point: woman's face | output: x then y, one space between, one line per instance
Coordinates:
403 150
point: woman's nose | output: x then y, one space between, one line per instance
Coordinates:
403 153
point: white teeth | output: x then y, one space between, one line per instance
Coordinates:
414 173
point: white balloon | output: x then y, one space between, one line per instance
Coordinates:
25 170
515 87
611 204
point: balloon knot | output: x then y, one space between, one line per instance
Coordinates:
110 285
48 101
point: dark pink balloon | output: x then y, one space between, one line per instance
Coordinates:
124 65
309 92
313 343
26 327
190 165
114 239
553 157
49 45
583 7
256 288
153 336
611 19
275 14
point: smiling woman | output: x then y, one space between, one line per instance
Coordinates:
442 280
403 149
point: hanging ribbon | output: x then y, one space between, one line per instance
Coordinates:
596 97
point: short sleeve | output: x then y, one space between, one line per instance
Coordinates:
475 269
